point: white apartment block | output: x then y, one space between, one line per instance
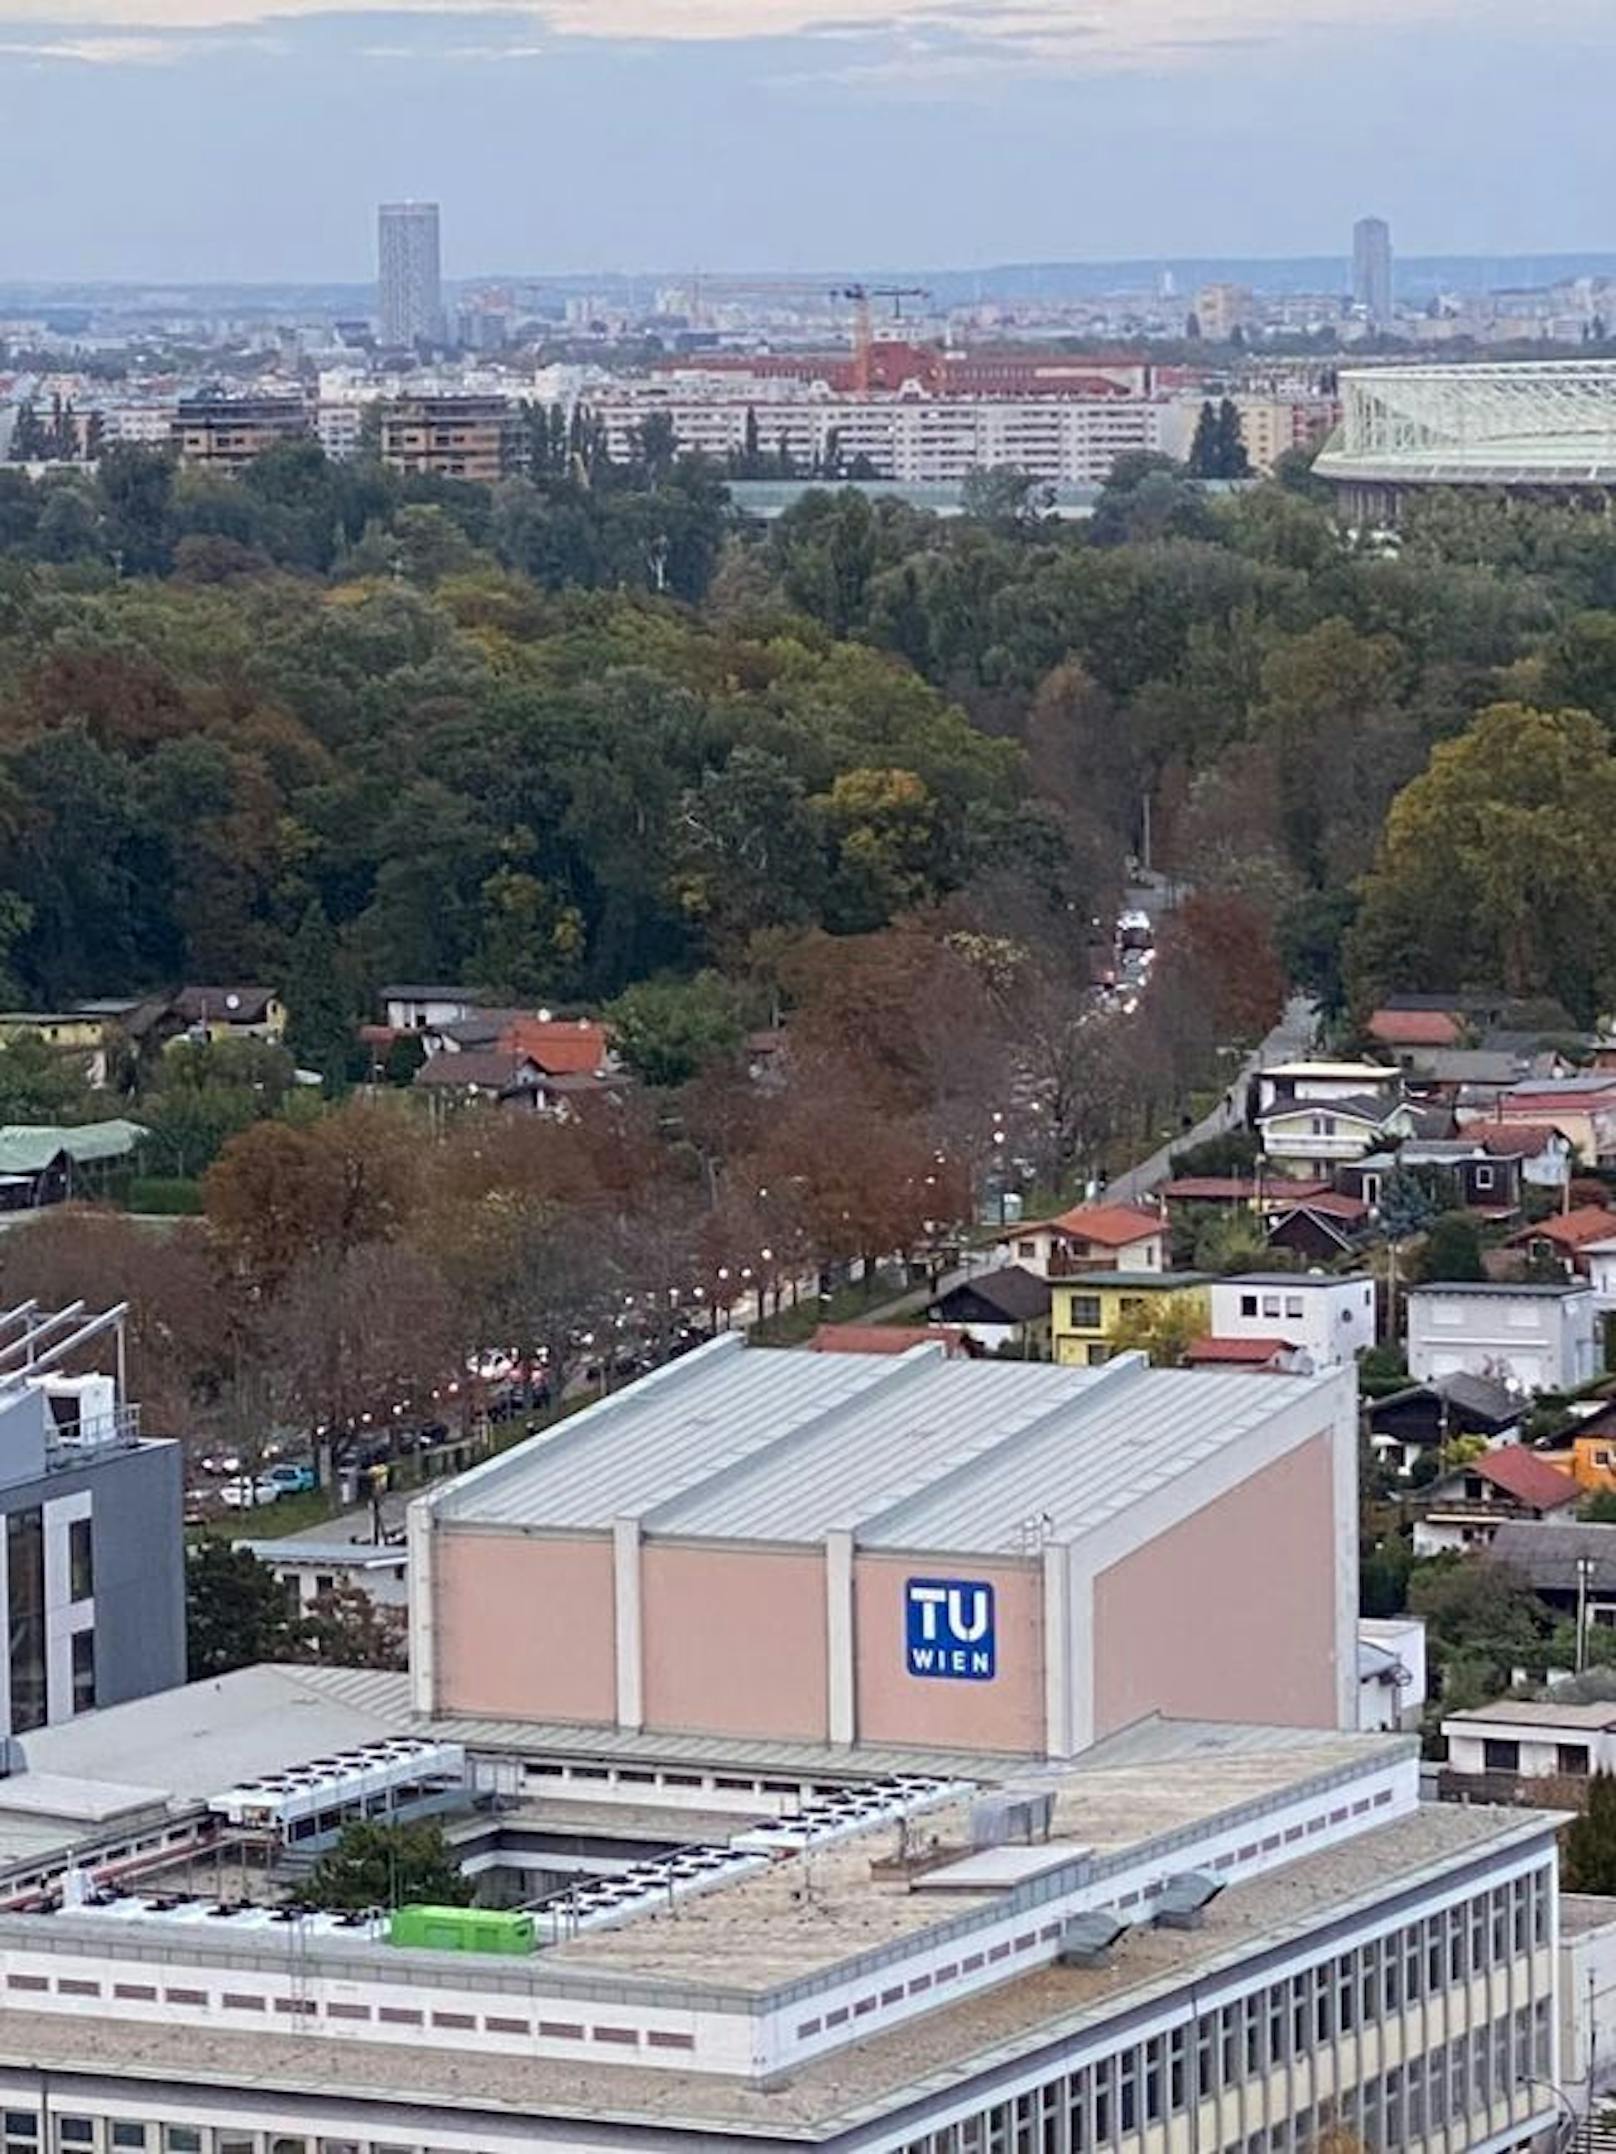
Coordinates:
1530 1337
913 437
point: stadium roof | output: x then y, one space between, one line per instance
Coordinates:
1533 423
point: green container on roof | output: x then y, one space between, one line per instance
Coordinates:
461 1929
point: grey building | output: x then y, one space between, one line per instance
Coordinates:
1372 269
92 1575
411 273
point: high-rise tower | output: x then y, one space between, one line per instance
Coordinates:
411 280
1372 269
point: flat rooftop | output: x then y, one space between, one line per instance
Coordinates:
907 1451
832 2094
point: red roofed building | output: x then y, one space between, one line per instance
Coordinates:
1091 1237
1416 1028
888 1338
1465 1508
1277 1355
1565 1236
562 1047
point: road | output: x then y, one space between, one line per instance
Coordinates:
1293 1035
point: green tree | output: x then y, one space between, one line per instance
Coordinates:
1451 1250
668 1031
377 1864
1163 1326
1481 1618
319 1013
1588 1852
237 1612
1218 450
1492 866
39 1083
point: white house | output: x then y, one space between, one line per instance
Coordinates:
1601 1261
1536 1337
1092 1237
1391 1672
1302 1136
1332 1320
1533 1739
312 1567
1309 1083
424 1009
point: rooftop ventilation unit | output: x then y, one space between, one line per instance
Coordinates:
1014 1817
1184 1900
1086 1940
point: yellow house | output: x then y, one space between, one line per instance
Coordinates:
1087 1312
65 1031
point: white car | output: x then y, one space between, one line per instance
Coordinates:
244 1494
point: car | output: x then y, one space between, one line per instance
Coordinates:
291 1478
246 1494
221 1462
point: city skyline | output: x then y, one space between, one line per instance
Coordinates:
877 131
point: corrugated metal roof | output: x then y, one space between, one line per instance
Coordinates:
913 1451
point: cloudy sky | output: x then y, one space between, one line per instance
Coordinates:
251 139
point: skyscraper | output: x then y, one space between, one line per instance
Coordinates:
411 284
1372 268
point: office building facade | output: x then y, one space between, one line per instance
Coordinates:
1372 269
411 276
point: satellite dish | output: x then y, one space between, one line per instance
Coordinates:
232 1002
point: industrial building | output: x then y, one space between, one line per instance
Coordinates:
1538 426
876 1550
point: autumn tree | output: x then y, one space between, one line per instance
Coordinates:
1225 944
280 1195
1492 867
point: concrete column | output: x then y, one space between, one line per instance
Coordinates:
840 1638
1057 1655
630 1652
419 1539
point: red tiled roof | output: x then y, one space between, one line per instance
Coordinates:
1415 1028
1569 1230
1513 1140
884 1338
1113 1224
1528 1478
559 1047
1325 1202
1256 1353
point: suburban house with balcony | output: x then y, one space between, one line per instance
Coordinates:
414 1008
94 1554
1091 1237
1582 1109
1496 1746
1313 1137
1088 1311
1314 1084
1465 1508
1528 1336
1330 1320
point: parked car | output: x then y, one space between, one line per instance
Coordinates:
245 1494
291 1478
221 1462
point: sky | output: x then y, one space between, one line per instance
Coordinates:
250 140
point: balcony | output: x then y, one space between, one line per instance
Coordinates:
80 1442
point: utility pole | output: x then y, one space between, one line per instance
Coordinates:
1585 1566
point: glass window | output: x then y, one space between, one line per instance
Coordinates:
1572 1758
186 2139
76 2131
1293 1304
1085 1312
1270 1305
25 1610
1500 1757
1248 1305
83 1671
80 1560
21 2124
129 2135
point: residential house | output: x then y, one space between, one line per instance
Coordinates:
1465 1508
1091 1237
562 1047
1582 1109
1568 1565
1495 1747
311 1569
230 1013
1320 1229
1533 1337
1330 1320
1588 1449
42 1164
1490 1168
424 1009
483 1074
1086 1312
1564 1237
1391 1673
1420 1419
76 1033
1307 1137
1301 1084
996 1310
1599 1257
1399 1029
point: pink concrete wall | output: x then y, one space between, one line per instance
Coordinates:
734 1641
1231 1615
526 1627
897 1707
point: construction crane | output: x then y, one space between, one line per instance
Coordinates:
863 331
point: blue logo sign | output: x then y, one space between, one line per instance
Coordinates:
948 1629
